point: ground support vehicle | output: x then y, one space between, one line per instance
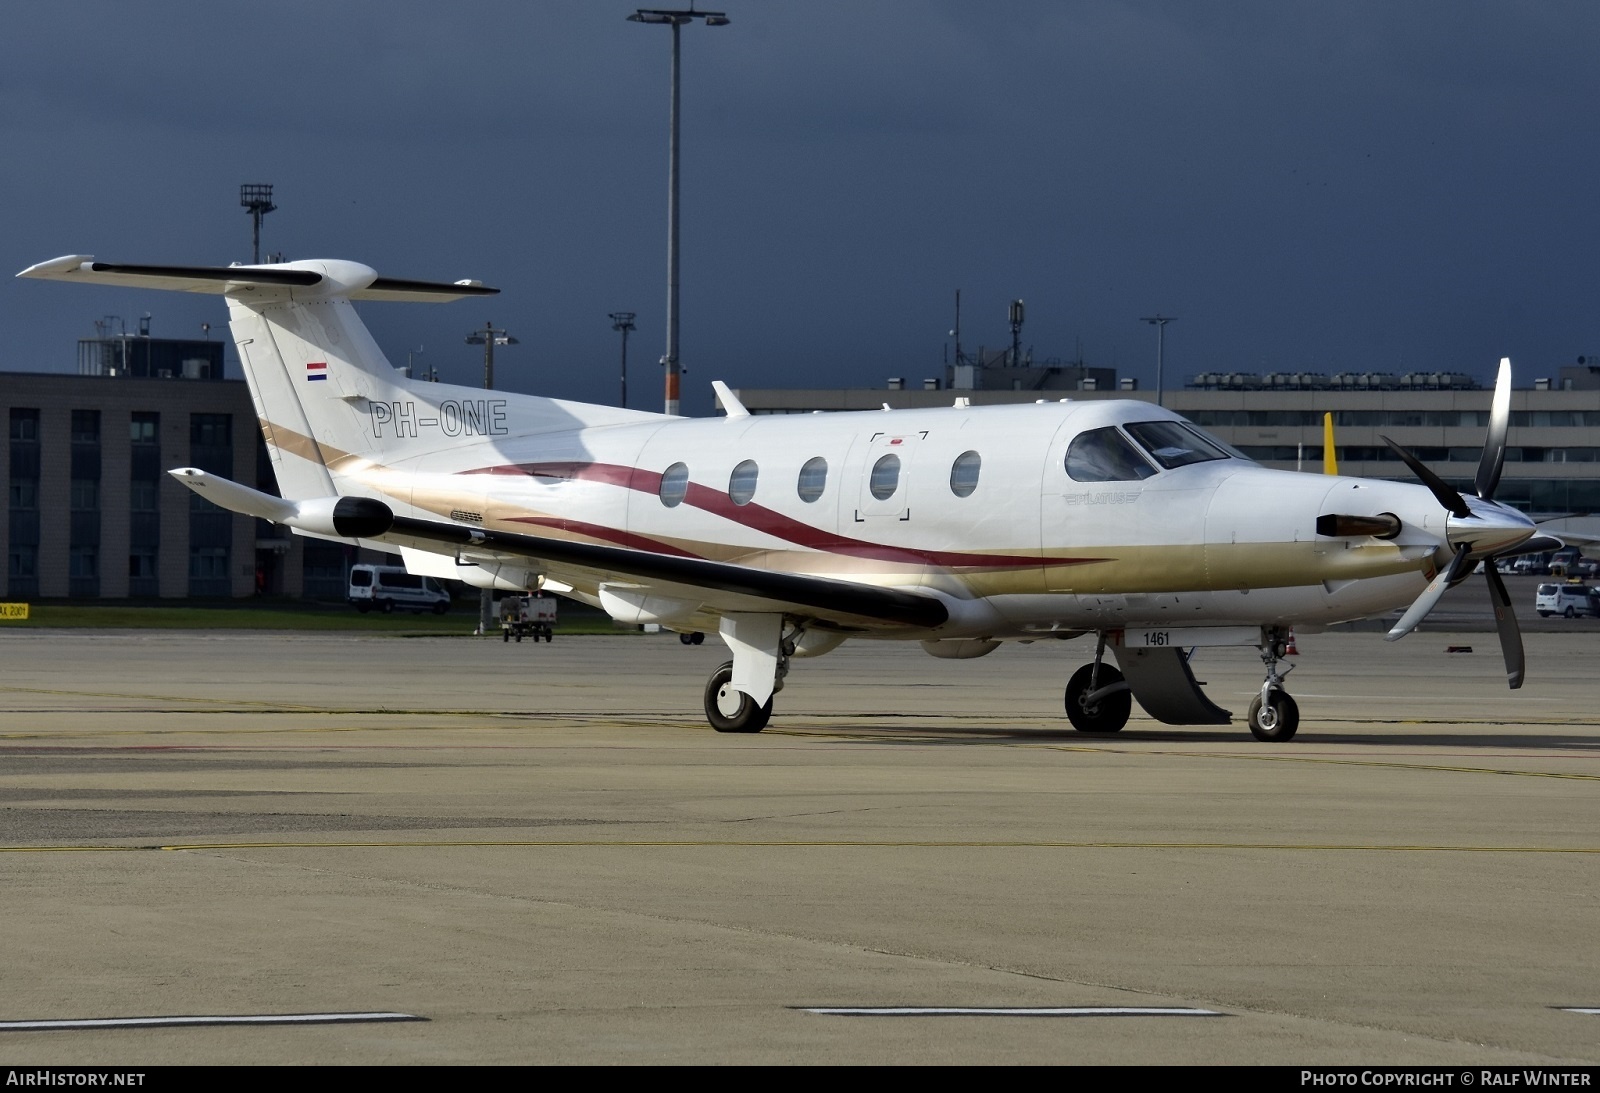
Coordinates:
527 616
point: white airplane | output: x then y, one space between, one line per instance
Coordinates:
959 527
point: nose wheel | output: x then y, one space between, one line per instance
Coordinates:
1274 715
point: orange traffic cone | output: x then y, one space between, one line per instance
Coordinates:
1291 651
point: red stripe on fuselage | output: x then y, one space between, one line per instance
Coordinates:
752 516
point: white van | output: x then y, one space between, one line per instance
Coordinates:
390 588
1569 600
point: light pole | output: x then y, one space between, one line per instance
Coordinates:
1160 322
488 337
622 322
675 18
257 198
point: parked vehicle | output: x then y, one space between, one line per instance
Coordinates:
1564 562
1570 600
390 588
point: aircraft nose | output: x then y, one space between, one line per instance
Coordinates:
1489 528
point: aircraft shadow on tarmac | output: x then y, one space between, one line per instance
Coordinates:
1135 736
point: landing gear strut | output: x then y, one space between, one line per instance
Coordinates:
1098 698
1274 716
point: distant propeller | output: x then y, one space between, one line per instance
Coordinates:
1476 530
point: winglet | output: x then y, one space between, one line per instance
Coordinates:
730 401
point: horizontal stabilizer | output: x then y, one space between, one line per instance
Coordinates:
333 278
340 517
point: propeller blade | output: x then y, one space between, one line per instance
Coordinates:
1494 444
1430 596
1447 496
1505 620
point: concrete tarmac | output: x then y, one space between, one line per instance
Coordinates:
543 852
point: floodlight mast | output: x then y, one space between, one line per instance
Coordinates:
675 18
257 198
622 322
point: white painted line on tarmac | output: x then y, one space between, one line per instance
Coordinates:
1009 1011
213 1019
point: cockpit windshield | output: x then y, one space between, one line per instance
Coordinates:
1176 443
1104 455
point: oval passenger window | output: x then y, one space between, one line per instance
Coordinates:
885 477
813 479
674 485
964 473
742 482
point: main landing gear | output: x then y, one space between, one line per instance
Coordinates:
1274 716
738 696
1098 698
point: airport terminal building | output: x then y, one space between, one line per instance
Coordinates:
91 513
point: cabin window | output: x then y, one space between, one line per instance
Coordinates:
674 485
1174 444
813 479
885 477
1105 455
964 473
742 482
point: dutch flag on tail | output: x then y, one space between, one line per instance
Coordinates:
316 370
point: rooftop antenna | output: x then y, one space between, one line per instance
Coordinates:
257 198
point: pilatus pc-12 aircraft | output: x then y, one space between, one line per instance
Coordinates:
960 527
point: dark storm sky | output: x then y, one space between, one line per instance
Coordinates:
1307 186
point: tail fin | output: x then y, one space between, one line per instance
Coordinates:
312 367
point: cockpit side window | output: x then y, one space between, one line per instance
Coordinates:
1104 455
1175 444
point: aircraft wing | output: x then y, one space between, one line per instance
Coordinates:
823 597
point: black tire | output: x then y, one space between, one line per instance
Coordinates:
363 607
697 638
1568 613
387 607
505 636
1106 716
440 608
1278 720
549 636
687 639
1544 614
747 717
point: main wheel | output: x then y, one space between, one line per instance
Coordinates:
1277 719
1107 715
731 710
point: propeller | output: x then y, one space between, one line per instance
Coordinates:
1477 528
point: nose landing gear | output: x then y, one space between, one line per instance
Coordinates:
1274 715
